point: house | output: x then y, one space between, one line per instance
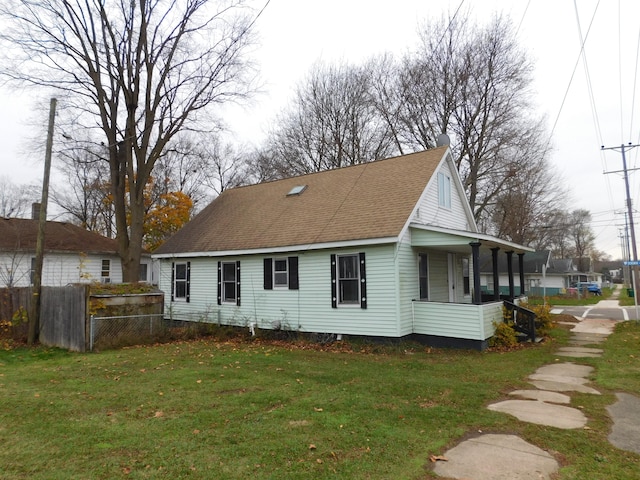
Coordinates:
71 255
543 274
384 249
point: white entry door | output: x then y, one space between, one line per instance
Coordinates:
451 276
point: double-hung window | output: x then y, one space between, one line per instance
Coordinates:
106 268
444 190
281 273
229 283
348 278
180 273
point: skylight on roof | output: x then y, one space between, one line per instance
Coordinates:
297 190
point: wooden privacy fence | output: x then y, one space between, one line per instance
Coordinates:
66 312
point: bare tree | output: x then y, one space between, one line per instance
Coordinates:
581 234
15 200
85 196
141 71
332 123
472 82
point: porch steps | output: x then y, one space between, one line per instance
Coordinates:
525 338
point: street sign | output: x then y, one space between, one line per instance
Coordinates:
632 262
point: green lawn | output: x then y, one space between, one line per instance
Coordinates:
566 300
203 410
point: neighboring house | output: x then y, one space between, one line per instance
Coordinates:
543 274
381 249
71 255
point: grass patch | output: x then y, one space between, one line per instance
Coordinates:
273 410
566 300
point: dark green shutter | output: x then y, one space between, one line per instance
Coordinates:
334 281
173 276
238 283
293 273
188 285
219 283
268 273
363 282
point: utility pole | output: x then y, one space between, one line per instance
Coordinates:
34 317
634 249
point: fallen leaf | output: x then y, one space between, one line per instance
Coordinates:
312 447
196 431
319 460
159 414
435 458
317 409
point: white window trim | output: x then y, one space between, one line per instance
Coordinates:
176 298
102 269
223 299
357 302
276 285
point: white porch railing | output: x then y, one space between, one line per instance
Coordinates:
456 320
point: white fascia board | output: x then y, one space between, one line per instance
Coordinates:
283 249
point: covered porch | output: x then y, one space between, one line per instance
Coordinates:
469 315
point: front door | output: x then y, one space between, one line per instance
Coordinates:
451 276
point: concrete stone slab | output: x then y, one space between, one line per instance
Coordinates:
497 457
582 343
559 378
542 413
569 369
587 337
580 350
542 395
578 354
563 387
595 325
625 432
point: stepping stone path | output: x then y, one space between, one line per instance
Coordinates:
491 457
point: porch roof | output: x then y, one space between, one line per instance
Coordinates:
459 240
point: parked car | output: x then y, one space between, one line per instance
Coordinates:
591 287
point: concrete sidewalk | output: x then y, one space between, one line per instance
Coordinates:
494 456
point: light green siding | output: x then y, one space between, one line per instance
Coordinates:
307 309
473 322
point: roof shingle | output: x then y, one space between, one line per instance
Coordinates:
20 235
365 201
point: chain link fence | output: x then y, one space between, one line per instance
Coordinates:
117 331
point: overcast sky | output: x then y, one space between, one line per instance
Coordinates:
294 34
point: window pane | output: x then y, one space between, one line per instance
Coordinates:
280 279
348 267
423 276
143 272
181 271
280 266
229 272
229 294
181 289
349 292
